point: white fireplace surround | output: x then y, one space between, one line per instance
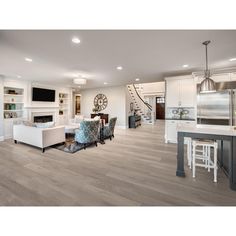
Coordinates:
33 114
42 111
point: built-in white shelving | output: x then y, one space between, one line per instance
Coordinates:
63 104
13 103
63 108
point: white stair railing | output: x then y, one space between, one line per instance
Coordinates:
142 108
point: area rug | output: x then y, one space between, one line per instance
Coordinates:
69 146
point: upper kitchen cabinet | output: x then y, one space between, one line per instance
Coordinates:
180 91
172 93
233 77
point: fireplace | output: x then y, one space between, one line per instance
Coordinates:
43 119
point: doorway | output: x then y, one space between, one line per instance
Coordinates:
160 108
77 104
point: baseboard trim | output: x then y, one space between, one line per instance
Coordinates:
121 127
1 138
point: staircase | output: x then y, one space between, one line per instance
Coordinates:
141 107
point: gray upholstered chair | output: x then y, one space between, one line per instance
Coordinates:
87 133
108 130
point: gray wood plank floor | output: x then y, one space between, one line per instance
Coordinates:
134 169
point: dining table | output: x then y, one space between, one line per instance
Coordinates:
226 139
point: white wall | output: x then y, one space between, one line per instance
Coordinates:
1 109
116 106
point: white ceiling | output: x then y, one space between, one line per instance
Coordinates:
147 54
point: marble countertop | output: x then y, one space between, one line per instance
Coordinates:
208 129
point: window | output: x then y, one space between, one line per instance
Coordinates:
160 100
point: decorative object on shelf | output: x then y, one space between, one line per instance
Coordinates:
14 115
12 99
60 112
12 106
100 101
61 101
207 85
6 115
11 91
7 106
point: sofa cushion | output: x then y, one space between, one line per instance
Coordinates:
96 118
28 123
78 118
45 125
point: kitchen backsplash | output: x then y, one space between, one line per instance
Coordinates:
180 113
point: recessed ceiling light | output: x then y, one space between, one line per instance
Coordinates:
79 86
119 68
28 59
105 83
76 40
185 66
137 79
232 59
19 76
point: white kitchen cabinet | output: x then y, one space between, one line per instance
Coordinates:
189 123
188 93
233 77
171 129
181 91
172 93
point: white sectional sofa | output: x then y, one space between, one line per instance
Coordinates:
39 137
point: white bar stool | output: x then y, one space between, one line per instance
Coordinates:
188 141
204 154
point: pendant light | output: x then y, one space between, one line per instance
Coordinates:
207 85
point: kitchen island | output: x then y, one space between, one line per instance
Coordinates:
225 136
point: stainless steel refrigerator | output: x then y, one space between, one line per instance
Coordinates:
218 108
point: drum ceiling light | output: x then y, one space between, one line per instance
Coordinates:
79 80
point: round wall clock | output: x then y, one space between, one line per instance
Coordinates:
100 101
